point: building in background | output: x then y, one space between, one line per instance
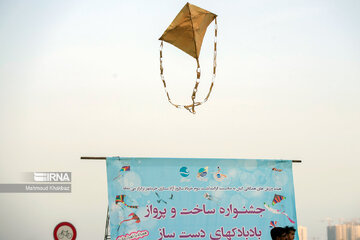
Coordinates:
302 232
345 231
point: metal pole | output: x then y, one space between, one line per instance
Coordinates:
107 235
94 158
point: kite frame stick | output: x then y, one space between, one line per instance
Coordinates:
104 158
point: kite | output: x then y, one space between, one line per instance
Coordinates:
275 211
277 199
121 199
132 216
187 32
273 224
277 170
123 169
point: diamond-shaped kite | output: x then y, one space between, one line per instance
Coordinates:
187 32
277 199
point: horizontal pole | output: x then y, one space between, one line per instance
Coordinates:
104 158
93 158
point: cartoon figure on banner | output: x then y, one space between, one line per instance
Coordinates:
201 176
162 200
121 199
211 197
123 169
219 176
187 32
132 217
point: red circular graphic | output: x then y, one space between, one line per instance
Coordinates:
64 231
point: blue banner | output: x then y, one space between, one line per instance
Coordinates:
184 198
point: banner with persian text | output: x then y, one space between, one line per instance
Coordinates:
192 198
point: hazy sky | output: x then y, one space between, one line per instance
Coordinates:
81 78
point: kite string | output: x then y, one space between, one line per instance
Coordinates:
187 107
198 72
162 76
193 96
191 107
214 65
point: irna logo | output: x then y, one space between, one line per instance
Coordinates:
52 176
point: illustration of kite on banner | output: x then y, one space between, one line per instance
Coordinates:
121 199
277 169
132 217
277 199
273 224
276 211
123 169
187 32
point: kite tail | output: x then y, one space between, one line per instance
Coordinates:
275 211
123 222
129 205
290 220
116 177
121 199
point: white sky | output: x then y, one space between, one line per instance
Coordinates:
82 78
